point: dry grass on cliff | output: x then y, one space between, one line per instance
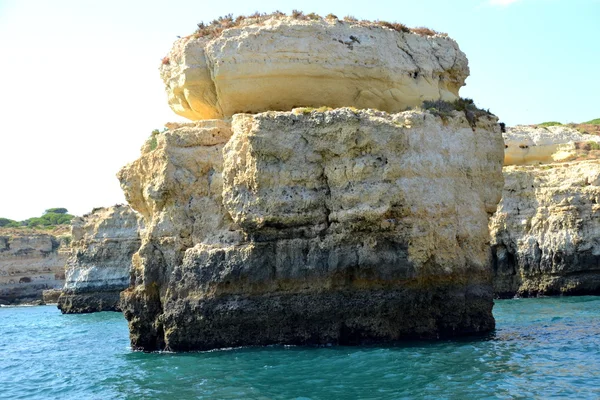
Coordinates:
217 26
587 128
585 151
59 230
444 109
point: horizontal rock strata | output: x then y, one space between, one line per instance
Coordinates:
546 232
98 269
30 262
528 145
342 226
282 63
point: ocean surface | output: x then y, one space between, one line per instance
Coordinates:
542 348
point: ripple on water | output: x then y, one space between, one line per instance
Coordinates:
542 348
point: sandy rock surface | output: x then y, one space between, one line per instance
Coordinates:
280 64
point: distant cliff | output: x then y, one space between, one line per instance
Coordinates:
31 261
545 234
99 267
531 145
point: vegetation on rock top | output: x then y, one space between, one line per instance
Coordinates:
591 127
51 218
215 27
152 142
444 109
549 123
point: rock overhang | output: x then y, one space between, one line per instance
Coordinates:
323 62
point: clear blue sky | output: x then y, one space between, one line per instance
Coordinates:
80 89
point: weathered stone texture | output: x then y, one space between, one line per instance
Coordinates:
546 232
284 63
343 226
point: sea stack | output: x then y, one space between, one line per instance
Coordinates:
303 205
98 269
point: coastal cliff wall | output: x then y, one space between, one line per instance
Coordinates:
99 266
31 261
546 232
272 223
340 226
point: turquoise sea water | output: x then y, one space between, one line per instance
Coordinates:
542 348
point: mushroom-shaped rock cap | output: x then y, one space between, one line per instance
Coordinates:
281 63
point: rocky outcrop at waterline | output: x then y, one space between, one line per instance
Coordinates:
99 266
329 225
31 261
289 227
546 232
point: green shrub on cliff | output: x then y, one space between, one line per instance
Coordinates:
549 123
593 145
58 210
51 218
444 109
152 141
6 222
593 122
47 220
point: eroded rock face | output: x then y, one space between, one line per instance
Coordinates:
284 63
323 227
98 269
546 232
30 262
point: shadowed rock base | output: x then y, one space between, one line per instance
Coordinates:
348 317
81 303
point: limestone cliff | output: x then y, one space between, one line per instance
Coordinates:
30 262
546 232
99 266
281 63
530 145
341 226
